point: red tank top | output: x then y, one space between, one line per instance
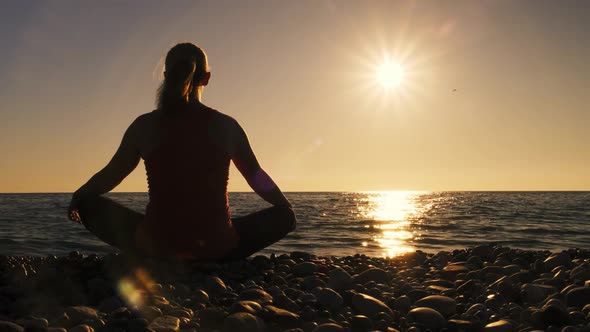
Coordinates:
188 212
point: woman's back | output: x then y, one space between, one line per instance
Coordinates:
187 157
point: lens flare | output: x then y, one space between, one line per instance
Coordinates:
134 289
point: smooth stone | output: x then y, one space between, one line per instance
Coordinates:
200 296
482 251
580 272
571 328
81 328
304 269
250 307
165 324
459 325
427 317
417 294
311 282
440 282
402 304
369 306
328 327
309 326
307 298
534 294
450 272
555 260
445 305
578 297
110 303
255 294
36 324
360 323
329 299
150 312
179 313
54 329
10 327
300 255
554 314
79 313
211 316
214 285
339 279
475 308
242 321
137 324
283 317
499 326
374 274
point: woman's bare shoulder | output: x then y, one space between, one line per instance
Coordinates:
223 119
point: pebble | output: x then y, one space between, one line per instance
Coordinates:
165 324
150 312
402 304
304 269
10 327
214 285
499 326
35 324
329 299
581 272
200 296
445 305
339 279
374 274
250 307
242 321
427 317
578 297
360 323
369 306
255 294
281 316
82 328
329 327
450 272
211 316
77 314
555 260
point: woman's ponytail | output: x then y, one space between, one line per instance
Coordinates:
185 66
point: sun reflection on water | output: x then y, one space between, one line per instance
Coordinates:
392 212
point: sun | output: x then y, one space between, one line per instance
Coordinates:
389 74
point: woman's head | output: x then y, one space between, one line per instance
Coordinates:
186 72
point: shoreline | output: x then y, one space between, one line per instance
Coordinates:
484 288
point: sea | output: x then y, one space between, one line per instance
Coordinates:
382 224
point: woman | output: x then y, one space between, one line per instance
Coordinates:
187 148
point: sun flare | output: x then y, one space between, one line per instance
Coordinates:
389 74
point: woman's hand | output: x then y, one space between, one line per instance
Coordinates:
73 213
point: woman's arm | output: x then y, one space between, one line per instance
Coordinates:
257 178
122 164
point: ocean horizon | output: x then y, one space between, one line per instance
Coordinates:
374 223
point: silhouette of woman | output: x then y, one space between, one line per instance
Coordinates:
187 148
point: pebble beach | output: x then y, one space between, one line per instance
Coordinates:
482 288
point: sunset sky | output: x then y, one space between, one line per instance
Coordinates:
483 95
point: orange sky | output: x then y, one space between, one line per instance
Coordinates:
300 77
